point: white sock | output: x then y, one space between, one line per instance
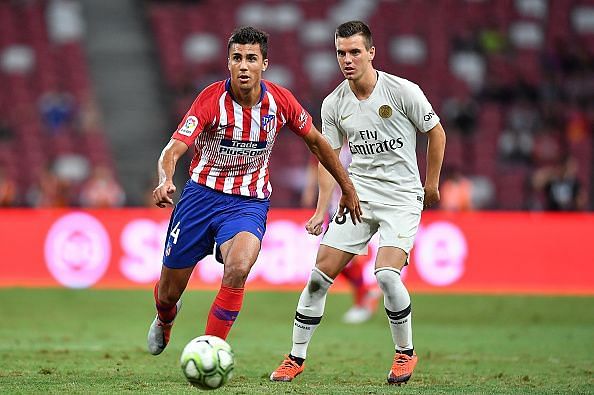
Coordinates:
310 310
398 308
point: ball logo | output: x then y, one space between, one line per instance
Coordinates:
77 250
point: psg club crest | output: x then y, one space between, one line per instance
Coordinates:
268 123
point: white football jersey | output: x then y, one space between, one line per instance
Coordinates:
381 134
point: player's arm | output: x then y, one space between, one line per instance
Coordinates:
435 152
321 149
166 169
326 184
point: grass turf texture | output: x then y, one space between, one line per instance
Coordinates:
93 341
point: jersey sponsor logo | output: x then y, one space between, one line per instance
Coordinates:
371 146
385 111
302 119
427 117
244 148
268 123
345 117
189 126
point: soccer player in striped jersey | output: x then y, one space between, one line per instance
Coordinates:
233 125
379 115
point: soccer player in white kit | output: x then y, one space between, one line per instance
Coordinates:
379 115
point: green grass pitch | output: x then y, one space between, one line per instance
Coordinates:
93 341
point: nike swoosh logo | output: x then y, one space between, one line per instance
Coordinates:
402 237
224 127
345 117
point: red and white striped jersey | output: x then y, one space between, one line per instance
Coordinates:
233 143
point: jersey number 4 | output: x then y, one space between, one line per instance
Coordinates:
175 233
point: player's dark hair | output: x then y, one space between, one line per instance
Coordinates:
250 35
351 28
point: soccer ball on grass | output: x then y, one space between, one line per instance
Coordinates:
207 362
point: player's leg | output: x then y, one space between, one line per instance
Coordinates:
240 230
310 309
188 241
167 293
239 255
341 242
397 230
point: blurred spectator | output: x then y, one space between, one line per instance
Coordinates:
461 111
560 186
8 191
549 146
456 192
102 190
577 127
89 115
309 194
516 143
482 192
57 110
71 168
48 191
6 130
492 40
516 146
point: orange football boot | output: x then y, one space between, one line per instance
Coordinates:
287 370
402 368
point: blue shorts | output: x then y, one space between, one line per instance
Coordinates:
203 217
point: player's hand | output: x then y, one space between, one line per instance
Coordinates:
431 196
314 225
349 202
163 194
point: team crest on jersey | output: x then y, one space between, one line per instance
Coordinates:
385 111
189 126
268 123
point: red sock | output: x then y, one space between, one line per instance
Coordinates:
224 311
354 274
166 313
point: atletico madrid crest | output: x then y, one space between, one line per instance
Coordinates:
268 123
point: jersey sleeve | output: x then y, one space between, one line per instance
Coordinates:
330 129
198 118
418 109
298 119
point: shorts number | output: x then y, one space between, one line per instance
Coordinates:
341 219
175 233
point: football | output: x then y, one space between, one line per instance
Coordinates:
207 362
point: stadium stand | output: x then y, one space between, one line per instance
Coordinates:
47 106
512 80
509 60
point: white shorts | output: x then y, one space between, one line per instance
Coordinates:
397 226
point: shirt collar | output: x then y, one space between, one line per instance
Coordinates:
262 89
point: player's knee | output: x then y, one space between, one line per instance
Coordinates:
318 281
387 277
